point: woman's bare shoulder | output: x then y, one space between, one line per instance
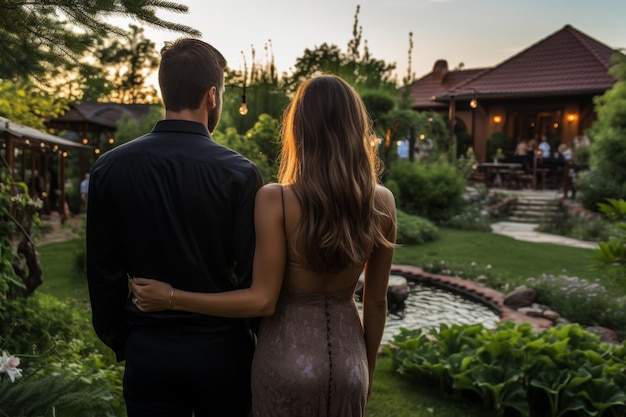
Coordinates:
269 191
385 197
269 197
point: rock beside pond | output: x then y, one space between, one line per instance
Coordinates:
530 311
551 315
397 289
606 335
522 301
520 297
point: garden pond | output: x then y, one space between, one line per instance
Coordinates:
427 306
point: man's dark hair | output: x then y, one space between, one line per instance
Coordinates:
189 67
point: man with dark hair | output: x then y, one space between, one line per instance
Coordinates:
175 205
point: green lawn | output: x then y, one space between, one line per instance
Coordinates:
506 256
397 396
59 277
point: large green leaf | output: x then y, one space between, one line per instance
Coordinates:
603 394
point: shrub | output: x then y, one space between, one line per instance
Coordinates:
434 190
498 140
596 186
414 230
571 223
611 254
395 190
470 218
581 301
607 175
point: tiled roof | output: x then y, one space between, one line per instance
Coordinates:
566 62
104 114
25 132
424 89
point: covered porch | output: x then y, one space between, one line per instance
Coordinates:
39 160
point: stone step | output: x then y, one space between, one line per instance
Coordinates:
534 210
539 210
517 219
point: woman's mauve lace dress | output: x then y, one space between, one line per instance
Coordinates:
310 360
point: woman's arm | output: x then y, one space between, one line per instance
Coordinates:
268 269
374 298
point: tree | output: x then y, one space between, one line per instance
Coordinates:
606 177
38 36
129 128
26 104
127 63
249 148
360 70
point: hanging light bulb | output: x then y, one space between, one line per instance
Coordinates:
243 109
473 103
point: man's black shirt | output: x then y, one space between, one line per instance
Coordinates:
172 205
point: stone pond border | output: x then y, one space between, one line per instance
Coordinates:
473 291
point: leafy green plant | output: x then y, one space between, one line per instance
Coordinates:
53 395
20 272
612 253
57 345
564 370
498 141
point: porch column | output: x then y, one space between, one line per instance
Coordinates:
62 210
8 150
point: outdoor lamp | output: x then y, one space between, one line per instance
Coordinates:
571 117
497 119
473 103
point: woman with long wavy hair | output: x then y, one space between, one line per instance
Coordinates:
326 222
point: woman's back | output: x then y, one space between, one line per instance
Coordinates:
299 274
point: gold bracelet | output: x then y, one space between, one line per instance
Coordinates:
172 297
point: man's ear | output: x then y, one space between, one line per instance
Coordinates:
210 97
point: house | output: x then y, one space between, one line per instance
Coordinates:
95 123
38 159
546 89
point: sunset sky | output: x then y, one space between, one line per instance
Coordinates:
478 33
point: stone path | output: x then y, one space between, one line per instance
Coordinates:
54 231
527 232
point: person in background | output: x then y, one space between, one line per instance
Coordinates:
544 147
565 151
175 205
325 222
84 189
522 148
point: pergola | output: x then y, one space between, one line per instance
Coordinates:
27 151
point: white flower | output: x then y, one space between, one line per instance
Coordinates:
9 364
36 202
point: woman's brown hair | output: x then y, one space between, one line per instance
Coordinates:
328 157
